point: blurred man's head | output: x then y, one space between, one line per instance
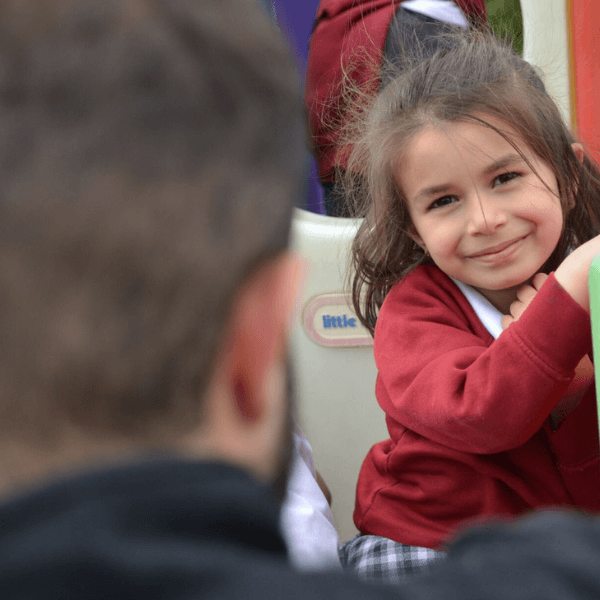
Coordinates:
148 168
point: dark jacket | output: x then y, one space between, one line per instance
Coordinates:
177 530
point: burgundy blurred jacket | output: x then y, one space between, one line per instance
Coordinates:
343 26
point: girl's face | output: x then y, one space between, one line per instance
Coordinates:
484 216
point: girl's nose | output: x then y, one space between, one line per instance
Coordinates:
485 216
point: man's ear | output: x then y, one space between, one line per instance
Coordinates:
259 329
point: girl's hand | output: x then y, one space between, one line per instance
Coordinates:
572 273
525 295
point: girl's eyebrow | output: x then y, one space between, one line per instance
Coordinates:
503 162
434 190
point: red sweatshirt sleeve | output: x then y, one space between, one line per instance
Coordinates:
576 446
443 376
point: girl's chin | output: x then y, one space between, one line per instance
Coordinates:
509 284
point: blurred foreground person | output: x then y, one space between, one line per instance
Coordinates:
149 161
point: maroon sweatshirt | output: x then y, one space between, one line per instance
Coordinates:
468 416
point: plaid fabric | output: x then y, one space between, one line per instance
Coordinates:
371 557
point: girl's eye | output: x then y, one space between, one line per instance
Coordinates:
441 202
505 178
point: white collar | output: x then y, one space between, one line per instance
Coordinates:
488 314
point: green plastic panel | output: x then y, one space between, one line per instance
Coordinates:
595 316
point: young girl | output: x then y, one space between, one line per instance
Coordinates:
471 267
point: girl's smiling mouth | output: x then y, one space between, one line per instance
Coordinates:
495 251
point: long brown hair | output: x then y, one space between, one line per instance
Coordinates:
473 75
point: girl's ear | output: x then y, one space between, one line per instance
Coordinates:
416 238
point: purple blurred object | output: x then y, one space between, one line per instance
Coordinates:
296 19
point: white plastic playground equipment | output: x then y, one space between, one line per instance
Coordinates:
546 45
335 370
335 376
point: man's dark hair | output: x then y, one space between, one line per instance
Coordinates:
148 163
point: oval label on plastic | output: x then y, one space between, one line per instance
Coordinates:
330 321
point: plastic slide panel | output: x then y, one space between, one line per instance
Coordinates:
333 360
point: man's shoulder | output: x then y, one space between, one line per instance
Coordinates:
549 555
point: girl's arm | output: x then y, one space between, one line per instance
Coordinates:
573 272
524 297
584 371
443 376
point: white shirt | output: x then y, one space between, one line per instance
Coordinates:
442 10
488 314
306 519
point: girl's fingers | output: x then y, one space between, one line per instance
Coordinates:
516 308
538 280
525 294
